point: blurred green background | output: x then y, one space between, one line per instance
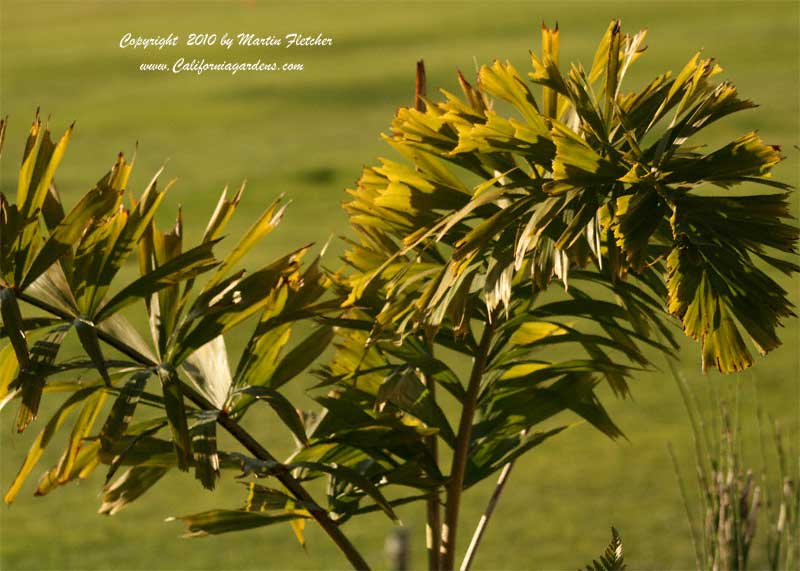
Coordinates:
308 134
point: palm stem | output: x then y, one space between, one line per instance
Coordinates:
432 504
281 472
477 536
461 453
434 518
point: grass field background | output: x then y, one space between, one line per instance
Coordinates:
308 134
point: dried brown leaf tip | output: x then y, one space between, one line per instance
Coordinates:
420 87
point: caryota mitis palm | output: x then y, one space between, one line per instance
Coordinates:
63 266
598 192
548 241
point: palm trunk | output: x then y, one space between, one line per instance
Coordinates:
461 453
469 557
